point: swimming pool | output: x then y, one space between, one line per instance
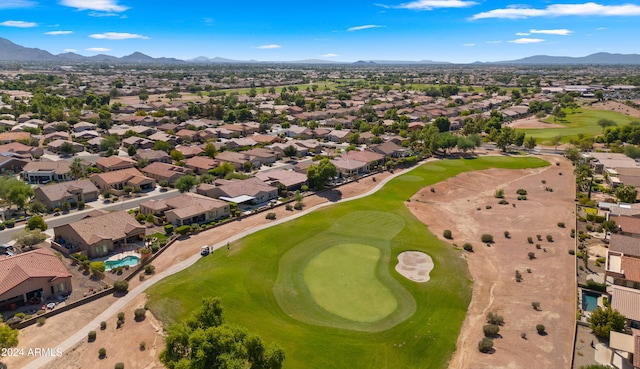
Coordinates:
129 260
589 301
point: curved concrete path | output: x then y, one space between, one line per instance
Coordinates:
82 333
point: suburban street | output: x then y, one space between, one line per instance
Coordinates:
124 204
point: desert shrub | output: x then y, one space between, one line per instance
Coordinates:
530 240
488 207
10 223
572 252
523 335
149 269
271 216
491 330
467 247
531 255
102 353
521 191
155 248
119 366
518 276
103 325
288 207
139 314
486 238
40 312
561 224
539 237
573 233
494 319
121 316
522 197
485 345
503 202
298 205
540 328
19 315
41 320
119 323
589 227
121 286
143 346
91 336
593 285
549 238
447 234
507 234
535 305
499 193
538 246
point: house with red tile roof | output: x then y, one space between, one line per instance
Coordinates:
114 162
187 208
32 276
54 195
201 164
251 190
162 171
117 180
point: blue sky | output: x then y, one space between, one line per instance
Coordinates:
460 31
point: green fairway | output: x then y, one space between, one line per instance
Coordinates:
583 121
342 280
272 281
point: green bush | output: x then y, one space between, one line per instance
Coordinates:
168 229
447 234
182 230
494 319
485 345
102 353
561 224
10 223
81 205
521 191
549 238
271 216
103 325
503 202
139 314
507 234
572 252
91 336
531 255
19 315
149 269
143 345
467 247
121 286
119 366
540 328
41 320
530 240
40 312
121 316
499 193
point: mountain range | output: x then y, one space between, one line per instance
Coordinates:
12 52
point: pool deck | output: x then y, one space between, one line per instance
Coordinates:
122 255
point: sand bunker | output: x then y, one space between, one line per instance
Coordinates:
415 266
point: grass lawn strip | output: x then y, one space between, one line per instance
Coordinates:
245 276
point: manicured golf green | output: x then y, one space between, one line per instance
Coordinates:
342 280
271 281
582 121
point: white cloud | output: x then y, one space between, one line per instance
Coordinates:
431 4
522 34
558 32
559 10
99 5
117 36
494 42
468 45
57 33
70 50
270 46
329 55
98 49
601 28
360 28
525 40
19 24
98 14
13 4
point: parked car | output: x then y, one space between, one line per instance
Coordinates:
204 251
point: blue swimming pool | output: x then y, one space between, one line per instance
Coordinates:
129 260
589 301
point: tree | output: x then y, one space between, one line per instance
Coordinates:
16 192
36 222
30 238
465 144
172 95
572 154
555 141
558 113
67 149
442 123
162 146
186 183
207 341
176 155
603 321
290 151
8 336
132 150
506 137
530 143
599 94
626 193
110 143
76 169
604 123
143 95
210 150
36 207
485 345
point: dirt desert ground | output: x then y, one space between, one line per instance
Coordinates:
453 205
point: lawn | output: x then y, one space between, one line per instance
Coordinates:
583 121
271 281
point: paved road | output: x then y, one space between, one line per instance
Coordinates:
54 221
82 333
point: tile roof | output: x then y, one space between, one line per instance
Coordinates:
631 268
40 263
626 301
110 226
58 191
366 156
286 177
625 244
114 161
165 170
250 187
119 176
59 167
627 224
190 204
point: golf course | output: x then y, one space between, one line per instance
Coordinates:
583 121
324 285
